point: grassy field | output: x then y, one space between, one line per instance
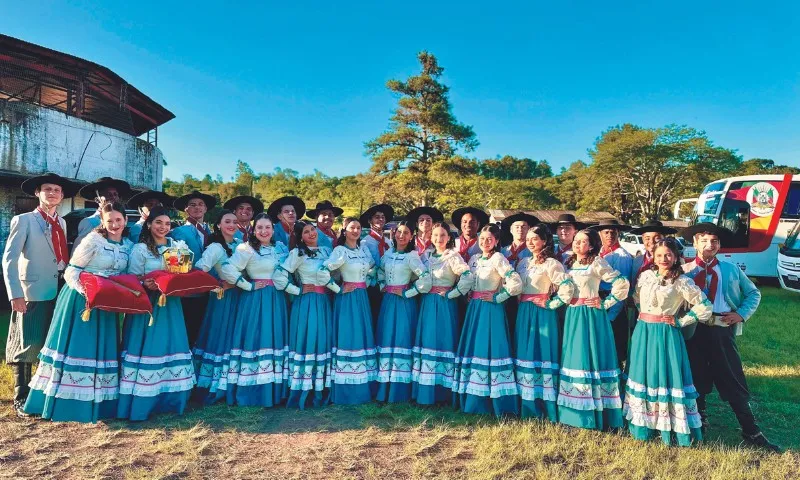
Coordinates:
374 441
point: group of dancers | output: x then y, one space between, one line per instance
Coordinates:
493 319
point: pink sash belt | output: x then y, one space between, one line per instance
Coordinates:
576 302
354 285
267 281
534 297
395 289
310 288
650 318
439 290
477 294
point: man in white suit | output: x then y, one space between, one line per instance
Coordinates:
35 255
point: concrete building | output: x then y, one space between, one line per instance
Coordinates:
67 115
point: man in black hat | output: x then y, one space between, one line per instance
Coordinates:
325 214
245 208
34 258
469 220
423 218
145 202
110 189
622 261
517 225
566 227
284 213
196 234
375 219
713 354
652 232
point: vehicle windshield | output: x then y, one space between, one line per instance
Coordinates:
708 203
793 239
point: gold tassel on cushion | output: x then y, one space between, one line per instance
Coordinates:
150 324
162 300
85 315
220 293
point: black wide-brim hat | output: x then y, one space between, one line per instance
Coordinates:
68 187
89 192
722 233
609 224
321 207
506 223
654 226
275 207
569 219
181 202
412 217
483 217
258 205
387 210
138 200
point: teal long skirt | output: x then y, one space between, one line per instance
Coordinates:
397 325
588 395
310 360
157 375
661 398
257 370
484 368
78 375
537 362
211 353
355 366
434 350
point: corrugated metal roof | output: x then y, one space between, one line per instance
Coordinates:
551 216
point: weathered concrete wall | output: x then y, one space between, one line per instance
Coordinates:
35 140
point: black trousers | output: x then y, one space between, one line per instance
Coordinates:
194 309
375 296
622 333
715 362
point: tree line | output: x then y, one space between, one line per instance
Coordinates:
422 158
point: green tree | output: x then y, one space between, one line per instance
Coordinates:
422 130
512 168
761 166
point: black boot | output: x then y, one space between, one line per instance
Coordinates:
760 441
21 373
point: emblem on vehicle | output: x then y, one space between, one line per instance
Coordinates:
762 198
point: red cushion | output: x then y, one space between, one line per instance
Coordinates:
183 284
118 293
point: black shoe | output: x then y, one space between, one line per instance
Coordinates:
760 441
19 410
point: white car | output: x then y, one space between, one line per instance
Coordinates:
688 252
632 244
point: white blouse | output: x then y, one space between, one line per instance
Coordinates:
96 255
143 261
214 257
399 268
587 279
493 274
450 269
308 269
541 278
259 265
657 298
355 265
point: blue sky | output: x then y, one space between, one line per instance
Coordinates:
303 86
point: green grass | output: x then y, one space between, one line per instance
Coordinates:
403 441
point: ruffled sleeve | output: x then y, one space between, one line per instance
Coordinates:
83 254
424 281
619 284
512 283
337 259
380 273
465 278
701 310
212 254
561 281
232 268
292 262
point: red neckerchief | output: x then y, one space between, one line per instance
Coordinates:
330 233
201 227
464 246
515 251
289 233
562 252
701 277
648 260
382 245
607 251
421 246
245 232
57 236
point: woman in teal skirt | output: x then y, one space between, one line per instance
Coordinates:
156 373
436 338
588 395
484 379
355 368
78 375
536 333
661 398
212 351
311 320
257 373
397 321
